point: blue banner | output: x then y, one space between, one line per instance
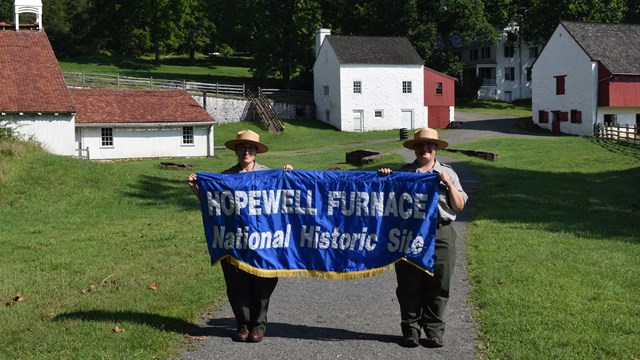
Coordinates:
332 224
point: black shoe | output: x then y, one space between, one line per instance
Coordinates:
410 342
434 342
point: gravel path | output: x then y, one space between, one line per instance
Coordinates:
357 319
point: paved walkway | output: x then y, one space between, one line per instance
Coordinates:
357 319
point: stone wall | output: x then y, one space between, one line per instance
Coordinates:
226 110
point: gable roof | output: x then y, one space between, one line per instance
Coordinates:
30 77
616 46
126 106
374 50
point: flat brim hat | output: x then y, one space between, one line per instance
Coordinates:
425 135
247 137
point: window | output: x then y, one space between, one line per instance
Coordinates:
560 84
508 51
528 73
378 113
107 136
438 88
406 87
488 76
543 117
326 90
533 52
473 54
509 73
576 116
486 52
357 87
187 135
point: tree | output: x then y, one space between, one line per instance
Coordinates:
197 30
282 37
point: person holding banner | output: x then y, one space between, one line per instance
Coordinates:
248 294
423 297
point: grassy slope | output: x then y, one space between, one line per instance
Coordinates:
553 249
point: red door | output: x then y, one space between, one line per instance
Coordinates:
438 117
555 126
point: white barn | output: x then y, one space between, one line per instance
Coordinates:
364 83
587 74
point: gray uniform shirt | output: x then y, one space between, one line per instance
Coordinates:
444 210
236 169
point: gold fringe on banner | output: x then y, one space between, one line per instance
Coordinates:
312 273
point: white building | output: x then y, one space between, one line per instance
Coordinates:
502 70
93 123
123 124
366 83
588 74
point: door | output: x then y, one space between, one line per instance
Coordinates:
357 120
438 117
407 119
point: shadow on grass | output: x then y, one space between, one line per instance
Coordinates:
159 191
595 206
160 322
223 327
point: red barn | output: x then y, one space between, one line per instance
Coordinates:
439 98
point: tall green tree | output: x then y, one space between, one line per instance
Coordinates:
282 37
196 29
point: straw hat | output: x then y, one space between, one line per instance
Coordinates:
247 137
425 135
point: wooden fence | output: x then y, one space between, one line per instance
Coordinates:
91 79
626 133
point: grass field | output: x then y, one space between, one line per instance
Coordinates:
94 248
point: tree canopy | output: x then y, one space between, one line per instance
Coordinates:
279 34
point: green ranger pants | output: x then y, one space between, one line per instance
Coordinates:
248 295
423 297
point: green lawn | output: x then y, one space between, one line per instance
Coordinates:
519 108
553 247
207 69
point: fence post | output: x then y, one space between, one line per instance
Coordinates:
244 91
82 77
150 81
184 84
118 80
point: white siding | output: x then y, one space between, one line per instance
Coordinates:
53 132
563 56
139 142
382 90
326 72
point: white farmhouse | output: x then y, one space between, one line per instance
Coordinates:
588 74
364 83
502 69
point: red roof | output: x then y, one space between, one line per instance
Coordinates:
30 77
108 105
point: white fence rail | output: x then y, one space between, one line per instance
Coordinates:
92 79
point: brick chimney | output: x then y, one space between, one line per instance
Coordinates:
28 7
